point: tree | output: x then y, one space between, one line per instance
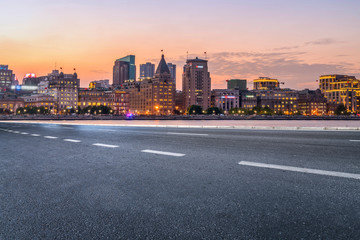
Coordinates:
341 110
194 109
213 110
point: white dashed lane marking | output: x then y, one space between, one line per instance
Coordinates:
301 170
35 135
72 140
50 137
163 153
105 145
188 134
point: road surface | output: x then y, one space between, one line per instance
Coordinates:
107 182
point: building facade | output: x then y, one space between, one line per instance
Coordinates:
41 100
265 83
226 99
6 78
153 95
64 88
147 70
172 68
124 70
239 84
196 83
341 89
312 103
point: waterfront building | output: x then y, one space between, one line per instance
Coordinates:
284 100
11 103
41 100
64 87
153 95
196 83
147 70
312 102
124 70
341 89
248 99
226 99
6 78
239 84
265 83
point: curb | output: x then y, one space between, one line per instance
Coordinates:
203 126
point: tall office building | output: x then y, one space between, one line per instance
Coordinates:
147 70
124 69
6 77
172 68
196 83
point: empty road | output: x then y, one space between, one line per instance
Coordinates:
106 182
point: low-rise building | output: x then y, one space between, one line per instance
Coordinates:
41 100
226 99
312 102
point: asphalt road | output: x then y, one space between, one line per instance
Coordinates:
97 182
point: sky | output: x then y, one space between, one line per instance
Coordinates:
294 41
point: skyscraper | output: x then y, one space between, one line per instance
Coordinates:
6 77
147 70
172 68
196 83
124 69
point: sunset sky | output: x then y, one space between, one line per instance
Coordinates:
294 41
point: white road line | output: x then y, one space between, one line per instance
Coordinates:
105 145
16 132
24 133
354 140
163 153
302 170
72 140
50 137
189 134
35 135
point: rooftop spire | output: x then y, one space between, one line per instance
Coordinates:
162 67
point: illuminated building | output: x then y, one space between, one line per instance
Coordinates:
147 70
153 95
239 84
124 70
100 84
92 97
226 99
11 104
265 83
64 88
172 68
119 102
343 89
284 100
248 99
196 83
6 78
40 100
312 102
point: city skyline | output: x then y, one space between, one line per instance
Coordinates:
294 42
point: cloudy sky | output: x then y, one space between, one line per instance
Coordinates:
294 41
